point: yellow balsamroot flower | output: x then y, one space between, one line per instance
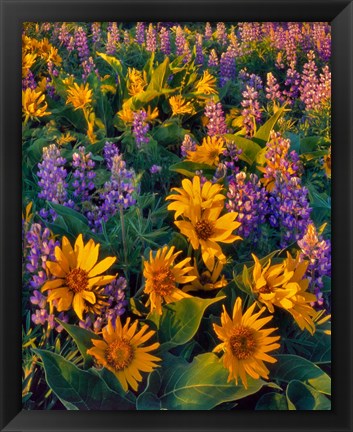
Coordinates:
65 139
122 352
206 228
78 277
163 276
126 114
137 81
207 281
192 195
79 96
208 152
327 163
180 106
282 285
33 104
28 61
206 85
245 343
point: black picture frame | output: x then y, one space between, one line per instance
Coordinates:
13 14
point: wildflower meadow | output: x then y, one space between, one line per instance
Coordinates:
176 217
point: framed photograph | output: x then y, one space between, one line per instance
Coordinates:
176 215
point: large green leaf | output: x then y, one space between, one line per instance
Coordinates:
188 169
303 397
272 402
169 133
83 339
82 389
201 385
159 76
250 149
263 133
180 320
292 367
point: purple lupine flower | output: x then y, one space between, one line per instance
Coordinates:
187 52
96 32
249 199
292 85
116 298
251 110
140 33
126 37
249 32
208 31
324 87
41 248
112 38
28 81
227 67
40 317
318 251
140 128
155 169
88 67
52 176
83 174
213 58
81 44
38 299
51 69
221 33
164 36
118 193
64 318
216 120
71 44
109 151
179 41
199 59
273 92
290 49
188 145
220 173
309 83
289 209
151 39
64 35
231 157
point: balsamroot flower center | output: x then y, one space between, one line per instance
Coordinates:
265 289
77 280
204 229
205 279
119 354
163 281
243 343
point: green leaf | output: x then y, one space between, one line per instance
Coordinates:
188 169
263 133
83 339
318 200
201 385
292 367
303 397
272 402
76 223
159 76
180 320
81 389
249 148
35 150
168 133
312 143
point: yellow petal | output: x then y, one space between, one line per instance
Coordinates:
102 266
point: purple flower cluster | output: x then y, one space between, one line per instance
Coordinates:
216 120
52 176
251 110
151 39
289 209
155 169
292 85
41 247
179 41
112 38
208 31
221 33
28 81
318 251
83 174
213 58
88 67
164 36
140 33
187 145
109 151
64 35
81 44
227 67
199 59
231 157
309 83
140 128
273 92
249 199
96 32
